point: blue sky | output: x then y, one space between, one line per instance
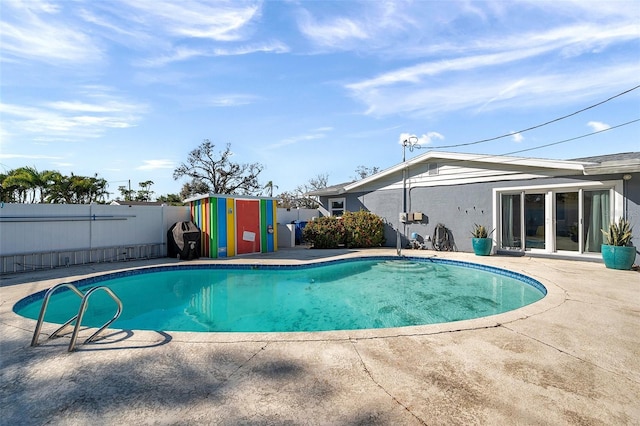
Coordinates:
127 88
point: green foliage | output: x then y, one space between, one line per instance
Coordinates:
324 232
619 234
354 230
479 231
28 185
363 229
171 199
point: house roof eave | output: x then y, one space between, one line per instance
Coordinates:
569 165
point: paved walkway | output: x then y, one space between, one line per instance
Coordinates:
571 358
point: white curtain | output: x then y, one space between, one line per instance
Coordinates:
508 222
598 219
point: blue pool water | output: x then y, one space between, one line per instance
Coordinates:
337 295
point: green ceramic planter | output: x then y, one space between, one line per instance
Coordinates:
618 257
482 246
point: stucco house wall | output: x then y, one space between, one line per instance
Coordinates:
461 205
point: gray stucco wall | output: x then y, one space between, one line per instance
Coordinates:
632 209
459 207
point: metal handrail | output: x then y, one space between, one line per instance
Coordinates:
77 317
45 303
83 306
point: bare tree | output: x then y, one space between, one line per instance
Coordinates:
298 197
364 171
195 187
218 172
287 200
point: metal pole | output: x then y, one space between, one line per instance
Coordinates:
411 141
404 201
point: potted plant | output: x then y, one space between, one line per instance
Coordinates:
617 252
482 244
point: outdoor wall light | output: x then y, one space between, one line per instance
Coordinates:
626 177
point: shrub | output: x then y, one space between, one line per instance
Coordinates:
354 230
324 232
363 229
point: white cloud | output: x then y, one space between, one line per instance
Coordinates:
517 137
34 31
368 26
506 71
156 164
28 156
504 52
319 133
429 137
425 139
270 47
598 126
579 84
183 54
176 55
72 120
77 106
192 19
333 33
416 73
230 100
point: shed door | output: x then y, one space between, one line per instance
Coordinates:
247 226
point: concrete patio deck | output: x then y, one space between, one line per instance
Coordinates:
571 358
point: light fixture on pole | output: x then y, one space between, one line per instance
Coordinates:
411 142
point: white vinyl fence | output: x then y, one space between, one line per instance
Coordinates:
287 224
296 215
38 236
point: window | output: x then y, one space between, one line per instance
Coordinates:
432 169
336 206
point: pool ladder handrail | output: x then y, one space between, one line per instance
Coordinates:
78 316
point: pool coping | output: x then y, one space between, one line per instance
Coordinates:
555 296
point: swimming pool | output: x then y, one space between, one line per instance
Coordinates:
362 293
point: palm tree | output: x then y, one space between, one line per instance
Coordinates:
28 184
144 194
6 192
20 182
270 186
99 189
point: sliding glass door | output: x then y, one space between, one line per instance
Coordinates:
554 220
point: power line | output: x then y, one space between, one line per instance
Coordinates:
465 174
575 138
538 125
